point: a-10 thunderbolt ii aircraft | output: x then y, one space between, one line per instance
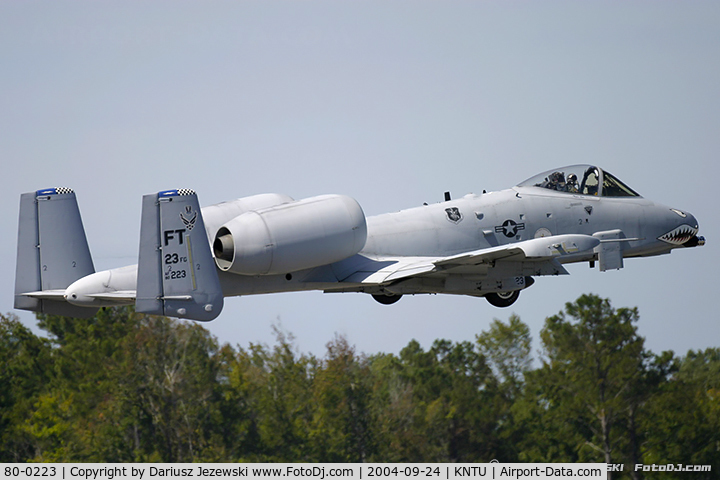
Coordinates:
489 245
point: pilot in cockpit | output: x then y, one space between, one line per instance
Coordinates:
555 181
572 183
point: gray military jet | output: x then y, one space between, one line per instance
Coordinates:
489 245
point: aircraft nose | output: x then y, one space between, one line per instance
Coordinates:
696 240
685 230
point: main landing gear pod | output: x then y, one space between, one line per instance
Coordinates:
505 299
386 299
502 299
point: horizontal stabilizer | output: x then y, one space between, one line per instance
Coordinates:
117 296
58 295
177 275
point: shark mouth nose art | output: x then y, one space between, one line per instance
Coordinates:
680 235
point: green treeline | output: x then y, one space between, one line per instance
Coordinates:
125 387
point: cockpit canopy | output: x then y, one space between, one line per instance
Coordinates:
581 180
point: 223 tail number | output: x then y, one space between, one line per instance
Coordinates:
175 274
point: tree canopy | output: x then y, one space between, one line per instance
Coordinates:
125 387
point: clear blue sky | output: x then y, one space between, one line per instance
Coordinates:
392 103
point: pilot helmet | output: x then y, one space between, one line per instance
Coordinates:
572 178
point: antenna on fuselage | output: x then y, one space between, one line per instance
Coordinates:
447 196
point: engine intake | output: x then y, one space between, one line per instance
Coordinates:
290 237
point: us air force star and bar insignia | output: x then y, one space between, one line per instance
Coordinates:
453 214
509 228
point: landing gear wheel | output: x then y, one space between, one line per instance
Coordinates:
502 299
386 299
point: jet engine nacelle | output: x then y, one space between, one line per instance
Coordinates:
290 237
215 216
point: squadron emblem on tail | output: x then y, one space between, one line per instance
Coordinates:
189 222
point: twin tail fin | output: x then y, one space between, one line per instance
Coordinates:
176 274
52 252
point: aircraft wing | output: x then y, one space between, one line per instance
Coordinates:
380 270
537 249
545 250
